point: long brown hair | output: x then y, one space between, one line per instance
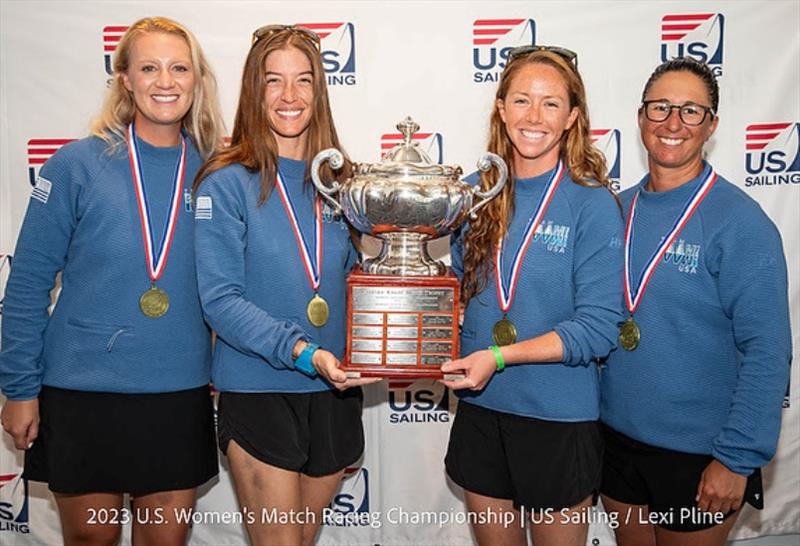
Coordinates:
253 143
202 122
586 165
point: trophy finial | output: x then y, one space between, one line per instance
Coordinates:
407 127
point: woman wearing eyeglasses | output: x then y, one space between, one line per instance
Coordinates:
691 401
109 395
271 266
540 280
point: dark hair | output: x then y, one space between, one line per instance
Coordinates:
687 64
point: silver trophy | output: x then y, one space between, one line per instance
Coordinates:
403 306
405 201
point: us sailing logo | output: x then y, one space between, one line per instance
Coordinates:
609 141
430 143
14 504
418 402
350 506
112 34
338 50
696 35
493 40
772 154
39 151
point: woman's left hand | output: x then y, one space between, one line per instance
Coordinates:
477 368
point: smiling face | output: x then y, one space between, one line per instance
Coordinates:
289 99
675 150
536 113
161 78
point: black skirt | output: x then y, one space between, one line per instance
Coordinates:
94 442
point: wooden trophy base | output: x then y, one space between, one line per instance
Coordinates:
401 327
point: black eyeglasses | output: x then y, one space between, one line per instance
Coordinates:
689 112
270 30
521 51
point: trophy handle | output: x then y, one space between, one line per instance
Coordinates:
484 164
336 160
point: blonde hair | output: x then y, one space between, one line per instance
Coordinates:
253 143
202 122
586 165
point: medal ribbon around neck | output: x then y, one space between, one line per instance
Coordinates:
311 262
506 290
634 298
156 260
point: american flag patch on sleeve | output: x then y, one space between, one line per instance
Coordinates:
41 191
204 208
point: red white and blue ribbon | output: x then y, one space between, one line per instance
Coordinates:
507 286
634 297
156 258
311 262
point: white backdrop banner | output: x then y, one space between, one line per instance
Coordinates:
439 62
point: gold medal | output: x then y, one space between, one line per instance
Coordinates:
317 311
504 332
629 335
154 302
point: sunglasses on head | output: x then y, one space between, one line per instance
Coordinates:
563 52
268 31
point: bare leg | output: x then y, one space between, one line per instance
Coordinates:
714 536
497 530
93 519
264 490
563 530
631 530
316 494
154 518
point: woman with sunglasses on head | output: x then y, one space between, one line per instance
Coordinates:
540 284
271 264
110 395
692 398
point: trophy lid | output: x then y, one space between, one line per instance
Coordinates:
407 159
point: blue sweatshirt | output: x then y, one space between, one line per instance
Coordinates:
253 284
712 366
83 220
568 283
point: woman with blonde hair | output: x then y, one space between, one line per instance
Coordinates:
540 283
271 266
109 394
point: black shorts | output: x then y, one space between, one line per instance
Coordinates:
537 464
315 433
96 442
664 480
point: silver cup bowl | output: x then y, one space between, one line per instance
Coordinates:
405 201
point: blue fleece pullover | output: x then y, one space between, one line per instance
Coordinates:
253 284
83 220
568 284
713 362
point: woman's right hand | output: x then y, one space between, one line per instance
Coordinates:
20 418
327 365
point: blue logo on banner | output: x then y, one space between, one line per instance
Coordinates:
696 35
14 504
338 43
772 154
418 402
493 40
350 506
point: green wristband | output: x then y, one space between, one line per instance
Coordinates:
498 358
